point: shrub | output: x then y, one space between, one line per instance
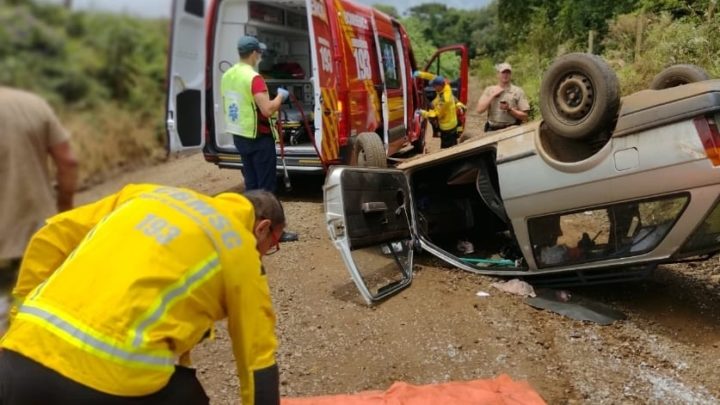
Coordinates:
664 42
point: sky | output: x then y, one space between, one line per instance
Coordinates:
161 8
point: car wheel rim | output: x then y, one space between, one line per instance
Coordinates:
574 96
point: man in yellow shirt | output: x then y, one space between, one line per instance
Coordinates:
444 108
112 296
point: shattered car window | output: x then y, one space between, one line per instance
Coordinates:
618 230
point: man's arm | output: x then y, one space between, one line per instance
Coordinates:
66 163
488 96
251 324
523 107
518 114
267 106
58 141
423 75
259 91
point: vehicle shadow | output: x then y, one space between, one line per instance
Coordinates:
303 187
670 302
348 293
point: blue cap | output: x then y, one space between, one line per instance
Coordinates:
437 81
247 44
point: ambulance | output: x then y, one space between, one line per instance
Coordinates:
348 68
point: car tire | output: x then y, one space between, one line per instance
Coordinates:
677 75
369 150
579 96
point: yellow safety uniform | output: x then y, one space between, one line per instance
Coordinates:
443 105
111 294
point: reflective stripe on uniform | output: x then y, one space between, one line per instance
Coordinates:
193 279
80 336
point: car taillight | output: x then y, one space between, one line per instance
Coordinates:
707 128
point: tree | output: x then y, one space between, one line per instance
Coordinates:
433 16
422 48
679 8
387 9
570 19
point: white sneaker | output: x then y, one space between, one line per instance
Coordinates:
465 247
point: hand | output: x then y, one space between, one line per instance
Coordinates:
497 90
416 74
283 93
504 106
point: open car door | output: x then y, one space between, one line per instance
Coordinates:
185 115
324 76
369 220
452 63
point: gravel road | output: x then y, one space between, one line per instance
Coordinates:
665 352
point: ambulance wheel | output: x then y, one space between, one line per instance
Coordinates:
677 75
579 96
369 150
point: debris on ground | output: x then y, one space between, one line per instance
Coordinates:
515 286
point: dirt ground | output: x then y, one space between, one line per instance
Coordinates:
665 352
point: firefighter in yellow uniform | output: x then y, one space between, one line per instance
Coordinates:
444 108
112 295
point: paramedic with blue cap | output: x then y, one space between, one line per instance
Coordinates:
444 108
250 116
248 109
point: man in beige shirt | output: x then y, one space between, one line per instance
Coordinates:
505 103
29 133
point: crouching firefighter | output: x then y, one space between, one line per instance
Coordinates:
112 296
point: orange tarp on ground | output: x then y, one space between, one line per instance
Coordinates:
497 391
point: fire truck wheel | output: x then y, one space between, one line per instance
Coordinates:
369 150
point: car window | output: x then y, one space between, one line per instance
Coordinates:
618 230
707 236
389 61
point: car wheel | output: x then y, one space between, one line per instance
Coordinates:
579 95
677 75
369 150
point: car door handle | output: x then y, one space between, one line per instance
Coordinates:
373 206
170 121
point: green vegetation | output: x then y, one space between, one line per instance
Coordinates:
103 73
638 38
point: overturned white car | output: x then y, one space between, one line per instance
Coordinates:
602 189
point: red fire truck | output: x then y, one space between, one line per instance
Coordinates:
348 68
